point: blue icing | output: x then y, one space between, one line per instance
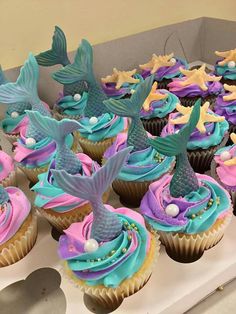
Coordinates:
69 106
225 71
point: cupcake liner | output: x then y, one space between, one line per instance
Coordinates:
22 244
188 248
32 174
58 115
11 138
10 180
189 102
154 125
163 84
227 81
112 297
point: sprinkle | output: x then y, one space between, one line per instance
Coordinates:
130 237
124 250
113 252
193 216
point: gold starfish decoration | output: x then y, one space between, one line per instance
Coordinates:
228 56
120 77
232 161
153 95
198 77
204 116
232 89
157 62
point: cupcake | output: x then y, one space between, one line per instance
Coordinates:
223 168
121 84
156 108
59 208
144 164
7 170
18 226
98 128
210 133
72 101
226 106
226 66
194 84
15 118
189 211
111 254
164 68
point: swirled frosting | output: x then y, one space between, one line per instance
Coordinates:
69 106
144 165
215 132
50 196
108 125
226 108
14 125
225 71
161 108
198 210
6 165
13 214
115 260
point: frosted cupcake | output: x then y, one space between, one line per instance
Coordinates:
189 211
111 254
156 108
196 84
7 170
98 128
211 133
144 164
226 66
59 208
164 68
72 101
18 226
121 84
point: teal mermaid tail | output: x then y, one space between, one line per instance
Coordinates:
184 179
106 224
58 131
137 136
3 79
4 198
82 70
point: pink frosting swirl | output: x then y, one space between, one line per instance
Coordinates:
6 165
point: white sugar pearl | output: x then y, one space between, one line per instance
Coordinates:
77 97
30 141
231 64
93 120
14 114
172 210
225 155
91 245
173 60
132 91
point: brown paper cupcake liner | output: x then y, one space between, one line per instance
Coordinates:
163 84
11 138
60 116
21 244
227 81
154 125
189 102
11 180
188 248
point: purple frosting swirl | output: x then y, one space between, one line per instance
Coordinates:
226 108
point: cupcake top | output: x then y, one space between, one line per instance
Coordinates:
209 131
196 83
72 105
6 165
14 209
225 104
110 245
226 66
158 104
163 67
121 83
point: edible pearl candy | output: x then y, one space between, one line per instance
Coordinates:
225 155
30 141
77 97
231 64
132 91
91 245
14 114
172 210
93 120
173 60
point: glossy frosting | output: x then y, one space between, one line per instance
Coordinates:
14 214
199 210
109 265
225 71
226 108
14 125
6 165
69 106
141 165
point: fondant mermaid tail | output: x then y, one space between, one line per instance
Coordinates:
58 130
3 79
106 224
82 70
4 198
184 179
137 136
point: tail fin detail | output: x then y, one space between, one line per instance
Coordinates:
3 79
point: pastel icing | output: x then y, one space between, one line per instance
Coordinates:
6 165
14 125
198 210
225 71
226 108
71 107
114 260
13 215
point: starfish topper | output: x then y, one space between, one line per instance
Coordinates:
228 56
232 161
232 95
198 77
204 117
154 95
158 61
121 77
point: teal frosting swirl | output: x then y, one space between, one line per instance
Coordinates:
10 124
70 106
225 71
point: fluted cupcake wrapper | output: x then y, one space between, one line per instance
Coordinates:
190 101
154 125
11 180
227 81
11 138
163 84
18 249
60 116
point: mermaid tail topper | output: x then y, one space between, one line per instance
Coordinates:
58 130
106 224
58 55
82 70
137 136
184 179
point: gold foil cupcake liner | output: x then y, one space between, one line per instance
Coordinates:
154 125
32 174
11 180
59 116
18 249
11 138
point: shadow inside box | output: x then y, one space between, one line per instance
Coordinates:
56 234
